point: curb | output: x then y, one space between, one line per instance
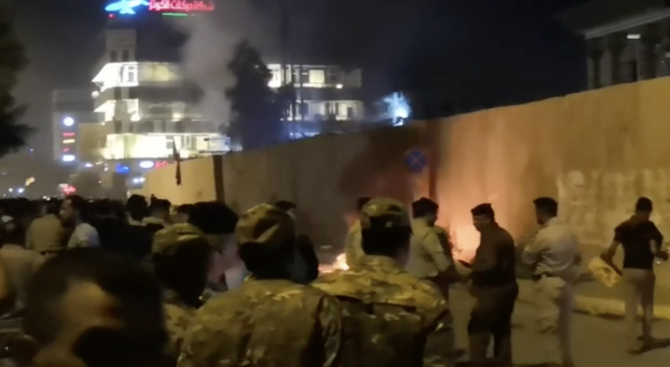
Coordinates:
594 306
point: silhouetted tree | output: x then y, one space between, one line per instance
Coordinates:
257 109
12 60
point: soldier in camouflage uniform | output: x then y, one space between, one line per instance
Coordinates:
269 320
181 256
391 318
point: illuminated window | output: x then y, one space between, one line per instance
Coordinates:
68 158
68 135
316 77
129 74
68 141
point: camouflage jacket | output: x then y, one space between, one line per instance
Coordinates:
177 319
391 318
265 323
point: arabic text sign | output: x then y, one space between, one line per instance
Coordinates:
183 6
160 6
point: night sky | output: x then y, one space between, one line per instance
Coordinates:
478 52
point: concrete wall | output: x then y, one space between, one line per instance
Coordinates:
198 182
596 152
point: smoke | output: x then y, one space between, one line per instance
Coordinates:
211 40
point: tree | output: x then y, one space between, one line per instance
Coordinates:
13 134
257 109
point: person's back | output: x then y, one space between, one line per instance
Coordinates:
20 263
278 317
46 234
269 320
391 316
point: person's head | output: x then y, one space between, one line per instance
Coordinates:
73 210
183 213
643 208
160 208
385 229
181 260
105 208
425 208
12 233
136 207
286 206
483 216
217 221
266 242
90 308
53 206
545 209
360 203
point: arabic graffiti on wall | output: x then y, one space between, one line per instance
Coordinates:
595 202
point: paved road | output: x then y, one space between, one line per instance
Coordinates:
596 341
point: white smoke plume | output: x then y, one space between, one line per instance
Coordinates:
211 40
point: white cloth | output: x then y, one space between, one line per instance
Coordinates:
84 235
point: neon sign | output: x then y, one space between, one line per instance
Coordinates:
160 6
125 6
160 164
182 6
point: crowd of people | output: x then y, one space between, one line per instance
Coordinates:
102 283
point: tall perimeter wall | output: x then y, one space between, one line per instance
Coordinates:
596 152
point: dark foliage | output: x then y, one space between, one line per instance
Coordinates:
13 134
258 110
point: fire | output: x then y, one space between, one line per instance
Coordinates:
340 263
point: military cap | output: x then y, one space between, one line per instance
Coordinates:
169 239
388 212
265 225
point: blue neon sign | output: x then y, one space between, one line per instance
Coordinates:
125 6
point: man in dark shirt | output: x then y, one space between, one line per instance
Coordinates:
641 242
494 288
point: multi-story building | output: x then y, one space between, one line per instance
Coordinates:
324 92
72 110
148 111
153 110
626 40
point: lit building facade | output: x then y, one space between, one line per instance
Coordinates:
72 110
151 110
324 93
147 111
626 40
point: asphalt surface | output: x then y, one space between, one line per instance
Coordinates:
596 341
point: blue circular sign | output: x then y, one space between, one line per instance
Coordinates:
416 160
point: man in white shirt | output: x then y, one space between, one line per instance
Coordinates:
72 215
429 256
555 257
